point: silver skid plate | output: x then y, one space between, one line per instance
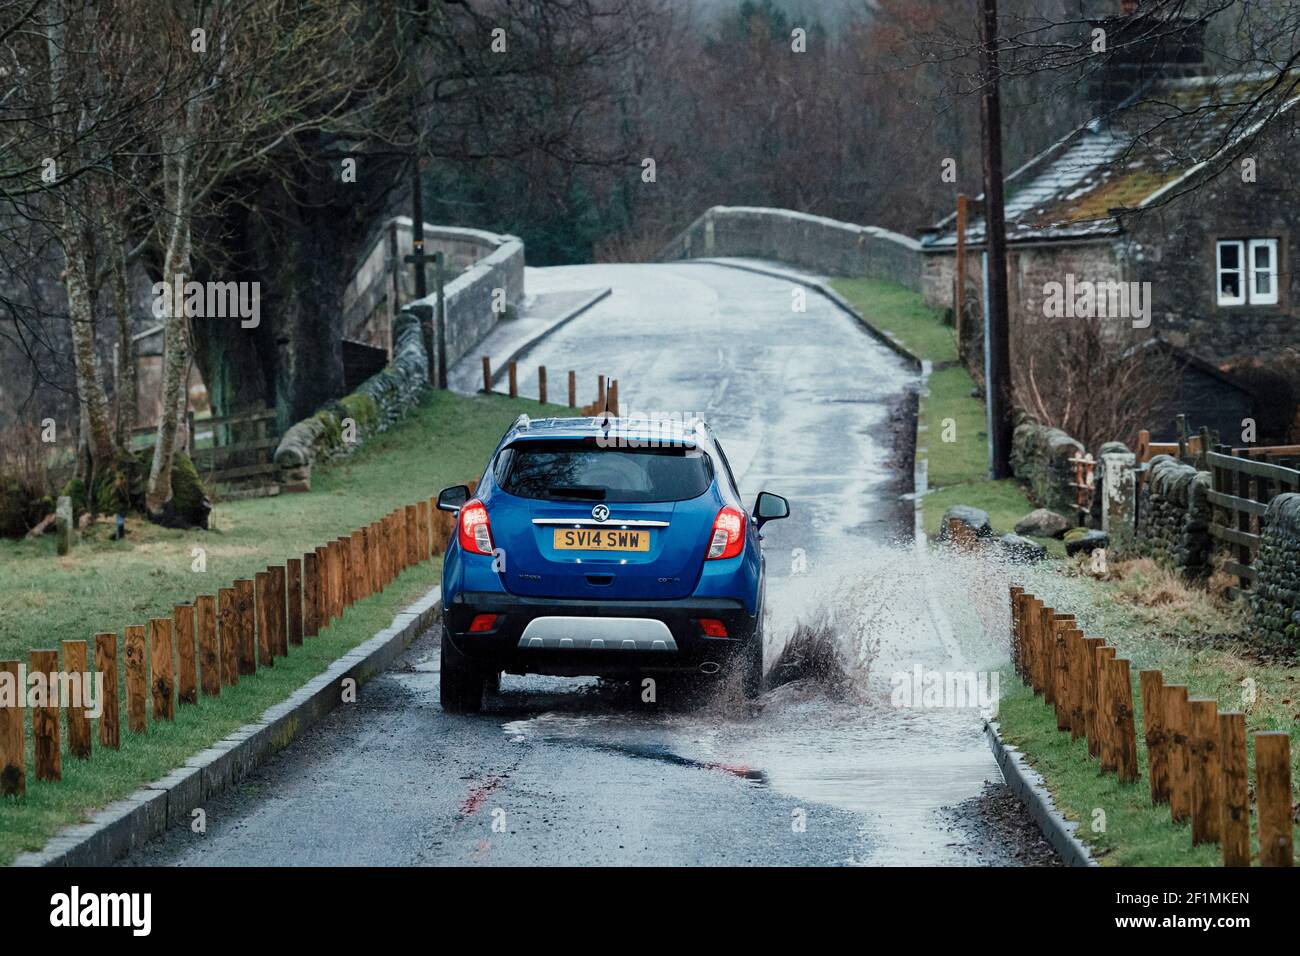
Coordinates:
597 634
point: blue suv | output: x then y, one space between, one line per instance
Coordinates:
603 546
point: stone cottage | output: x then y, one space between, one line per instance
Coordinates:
1189 184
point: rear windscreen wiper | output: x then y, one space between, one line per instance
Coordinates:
583 492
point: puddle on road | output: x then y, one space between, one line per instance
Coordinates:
899 767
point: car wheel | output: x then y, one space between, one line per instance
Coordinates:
460 684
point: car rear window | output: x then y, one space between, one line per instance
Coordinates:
581 471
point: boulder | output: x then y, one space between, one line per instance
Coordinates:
1086 542
972 518
1021 549
1043 523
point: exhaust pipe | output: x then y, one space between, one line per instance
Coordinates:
710 667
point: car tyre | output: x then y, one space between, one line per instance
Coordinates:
460 684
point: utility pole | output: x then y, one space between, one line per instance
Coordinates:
418 258
997 342
417 228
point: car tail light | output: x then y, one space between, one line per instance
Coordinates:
712 627
475 529
728 534
482 622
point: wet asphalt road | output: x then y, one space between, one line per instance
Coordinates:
578 772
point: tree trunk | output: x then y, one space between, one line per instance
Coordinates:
125 396
176 262
93 399
158 491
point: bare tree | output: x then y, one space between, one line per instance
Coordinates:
1095 379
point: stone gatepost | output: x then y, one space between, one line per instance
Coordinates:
1119 499
65 529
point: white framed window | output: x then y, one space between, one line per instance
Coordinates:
1232 278
1263 271
1246 271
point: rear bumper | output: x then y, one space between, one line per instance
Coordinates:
600 638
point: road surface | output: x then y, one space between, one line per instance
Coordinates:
577 772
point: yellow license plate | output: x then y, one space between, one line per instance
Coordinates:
601 539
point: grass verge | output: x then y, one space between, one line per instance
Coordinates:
1155 621
104 585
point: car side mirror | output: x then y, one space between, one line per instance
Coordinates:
770 507
453 498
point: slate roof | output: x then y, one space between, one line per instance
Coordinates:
1128 159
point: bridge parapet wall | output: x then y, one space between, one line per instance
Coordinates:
825 246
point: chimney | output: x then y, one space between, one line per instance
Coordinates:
1142 48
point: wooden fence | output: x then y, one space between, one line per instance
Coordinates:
606 397
203 649
213 461
1083 479
1242 487
1196 754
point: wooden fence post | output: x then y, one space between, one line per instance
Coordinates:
277 611
79 677
310 586
600 394
1047 657
573 389
162 679
613 398
374 541
110 731
1125 730
228 635
1016 593
487 374
1234 825
45 715
360 563
1029 624
293 568
13 746
333 598
1153 725
136 681
344 548
246 599
541 384
1074 648
514 381
205 626
422 539
187 674
1092 678
412 536
1064 683
1273 798
1107 744
322 588
1207 771
1178 718
262 602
